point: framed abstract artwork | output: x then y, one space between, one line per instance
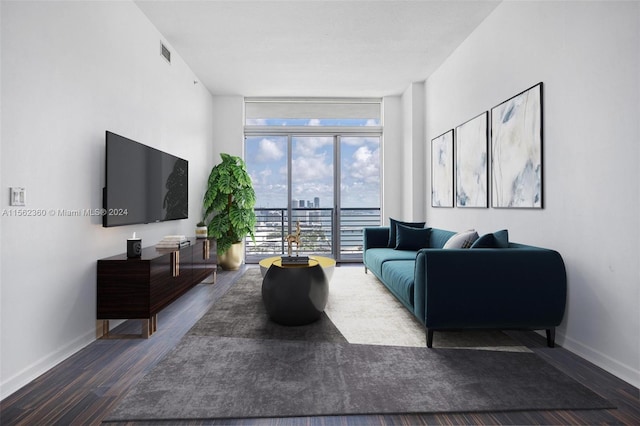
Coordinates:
472 162
516 151
442 170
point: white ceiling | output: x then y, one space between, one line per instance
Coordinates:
356 48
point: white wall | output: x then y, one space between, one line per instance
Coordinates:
1 186
392 155
228 133
413 152
587 56
95 67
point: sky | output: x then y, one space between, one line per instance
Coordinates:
312 162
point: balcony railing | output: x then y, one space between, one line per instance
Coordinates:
317 232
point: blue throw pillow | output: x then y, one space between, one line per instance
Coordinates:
502 238
486 241
392 229
408 238
498 239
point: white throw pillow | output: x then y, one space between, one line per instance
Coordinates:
461 240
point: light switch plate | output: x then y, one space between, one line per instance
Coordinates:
17 196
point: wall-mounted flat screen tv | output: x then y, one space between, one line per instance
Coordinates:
143 184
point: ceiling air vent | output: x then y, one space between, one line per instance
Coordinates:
166 53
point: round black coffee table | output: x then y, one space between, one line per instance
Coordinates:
295 295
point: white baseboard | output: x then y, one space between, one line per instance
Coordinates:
44 364
613 366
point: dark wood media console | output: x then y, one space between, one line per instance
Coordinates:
139 288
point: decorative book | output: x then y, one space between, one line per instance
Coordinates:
295 260
173 242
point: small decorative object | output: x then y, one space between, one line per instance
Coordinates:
516 151
134 246
201 230
471 162
297 259
294 238
442 170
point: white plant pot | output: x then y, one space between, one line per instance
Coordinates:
201 232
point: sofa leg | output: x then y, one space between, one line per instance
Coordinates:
365 270
429 338
551 337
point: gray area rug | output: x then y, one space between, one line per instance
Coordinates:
254 371
221 377
241 313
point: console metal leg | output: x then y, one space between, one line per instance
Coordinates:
146 328
149 326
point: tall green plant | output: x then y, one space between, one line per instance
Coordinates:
229 201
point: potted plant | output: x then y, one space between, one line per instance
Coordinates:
229 202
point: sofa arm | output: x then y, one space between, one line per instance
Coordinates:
375 237
490 288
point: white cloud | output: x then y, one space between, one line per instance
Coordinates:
269 150
308 146
264 176
360 141
314 168
365 165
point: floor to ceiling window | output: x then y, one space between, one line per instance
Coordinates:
315 163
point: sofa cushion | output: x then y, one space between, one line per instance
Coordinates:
502 238
408 238
392 229
376 257
398 276
439 237
485 241
499 239
461 240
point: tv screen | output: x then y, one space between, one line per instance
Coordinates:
143 184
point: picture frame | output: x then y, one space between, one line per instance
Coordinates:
472 166
516 151
442 170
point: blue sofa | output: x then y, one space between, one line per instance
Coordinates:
514 287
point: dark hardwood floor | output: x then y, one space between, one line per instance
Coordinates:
83 389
